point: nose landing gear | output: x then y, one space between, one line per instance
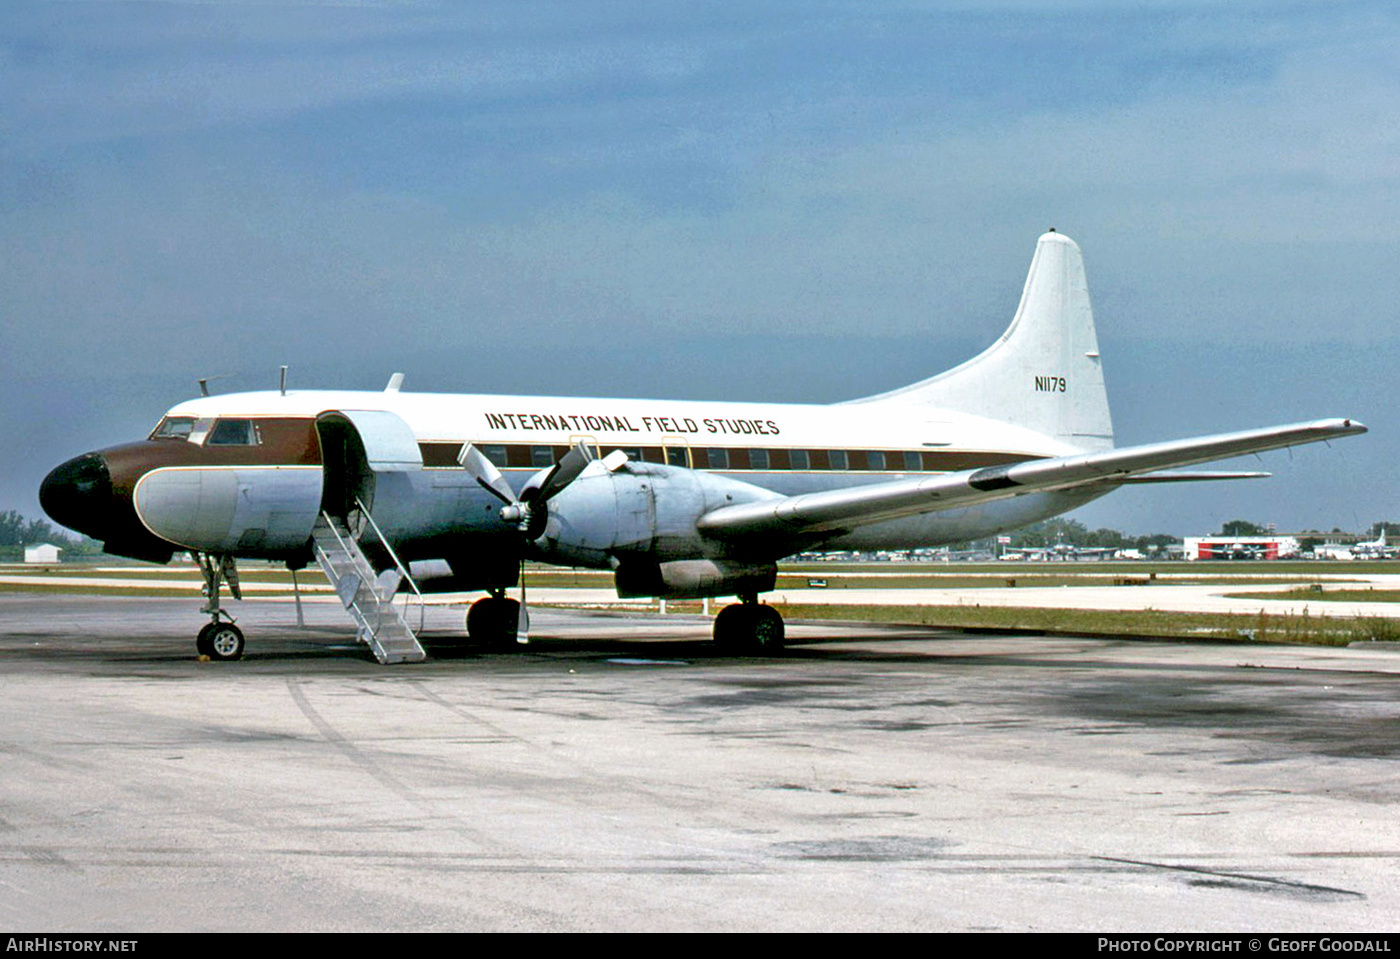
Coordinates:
219 640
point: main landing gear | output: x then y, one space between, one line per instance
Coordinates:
745 628
219 640
748 627
494 621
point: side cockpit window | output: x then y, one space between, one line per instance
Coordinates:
233 433
174 428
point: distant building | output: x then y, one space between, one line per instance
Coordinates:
42 553
1240 547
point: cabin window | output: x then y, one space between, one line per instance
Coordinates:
874 460
496 453
758 459
174 428
541 456
913 461
675 456
799 459
837 459
719 459
233 433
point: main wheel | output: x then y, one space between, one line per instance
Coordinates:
749 628
221 642
493 621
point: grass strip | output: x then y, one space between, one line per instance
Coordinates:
1238 627
1328 595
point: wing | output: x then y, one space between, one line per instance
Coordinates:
844 509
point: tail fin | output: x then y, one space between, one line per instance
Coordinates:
1044 373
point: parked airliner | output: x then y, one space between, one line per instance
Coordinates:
394 490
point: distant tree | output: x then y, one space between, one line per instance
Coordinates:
1106 538
1241 527
1049 532
16 531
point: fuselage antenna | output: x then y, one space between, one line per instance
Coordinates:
283 385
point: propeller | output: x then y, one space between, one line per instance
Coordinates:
528 511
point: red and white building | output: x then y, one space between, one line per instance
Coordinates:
1240 547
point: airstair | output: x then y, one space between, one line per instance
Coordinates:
368 597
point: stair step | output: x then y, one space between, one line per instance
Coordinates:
368 598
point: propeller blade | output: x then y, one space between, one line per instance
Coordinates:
484 472
547 484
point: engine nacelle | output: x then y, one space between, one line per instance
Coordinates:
261 511
641 514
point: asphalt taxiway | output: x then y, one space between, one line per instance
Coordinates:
616 774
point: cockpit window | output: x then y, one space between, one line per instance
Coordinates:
174 428
233 433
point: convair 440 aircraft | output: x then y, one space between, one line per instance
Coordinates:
394 490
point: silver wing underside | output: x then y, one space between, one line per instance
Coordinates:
852 507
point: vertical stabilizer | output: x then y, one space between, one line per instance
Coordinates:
1044 373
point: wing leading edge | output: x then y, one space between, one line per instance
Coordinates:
849 507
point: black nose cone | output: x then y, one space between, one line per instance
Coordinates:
78 494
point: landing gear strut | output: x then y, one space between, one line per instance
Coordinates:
494 621
749 627
219 640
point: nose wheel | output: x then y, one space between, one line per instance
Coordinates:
221 642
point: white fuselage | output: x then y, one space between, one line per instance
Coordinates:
787 449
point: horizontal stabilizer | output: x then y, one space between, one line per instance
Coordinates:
854 506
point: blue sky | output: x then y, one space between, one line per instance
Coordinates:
786 201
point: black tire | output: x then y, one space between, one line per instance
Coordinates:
733 626
221 642
749 629
493 622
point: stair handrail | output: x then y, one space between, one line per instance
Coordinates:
403 570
